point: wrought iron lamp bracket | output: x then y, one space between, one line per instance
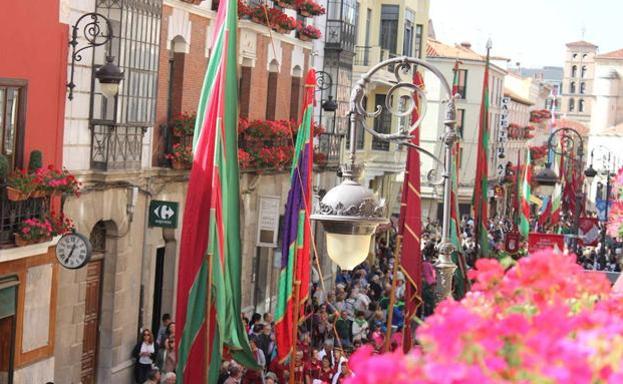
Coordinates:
94 36
417 101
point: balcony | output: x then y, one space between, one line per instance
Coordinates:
370 56
328 151
13 213
116 146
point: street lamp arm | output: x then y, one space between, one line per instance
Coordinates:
569 139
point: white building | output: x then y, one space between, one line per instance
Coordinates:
472 68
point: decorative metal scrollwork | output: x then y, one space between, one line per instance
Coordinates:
367 208
323 80
571 143
94 35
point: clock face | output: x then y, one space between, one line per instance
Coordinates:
73 250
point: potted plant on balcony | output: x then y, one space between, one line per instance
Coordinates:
289 4
183 124
309 8
258 15
283 23
32 231
308 32
20 185
60 182
61 224
181 156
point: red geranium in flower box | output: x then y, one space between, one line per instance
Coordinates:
309 32
309 8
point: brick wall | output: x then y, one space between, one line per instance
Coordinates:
195 64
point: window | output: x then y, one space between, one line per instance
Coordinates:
382 124
12 119
460 158
583 72
572 87
581 105
419 31
407 42
574 71
460 121
574 56
462 88
582 87
8 322
584 56
389 27
571 105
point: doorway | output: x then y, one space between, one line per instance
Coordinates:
8 306
158 284
92 305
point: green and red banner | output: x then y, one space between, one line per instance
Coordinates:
209 291
481 185
296 234
526 194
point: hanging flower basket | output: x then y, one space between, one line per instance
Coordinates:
304 37
16 195
37 194
304 13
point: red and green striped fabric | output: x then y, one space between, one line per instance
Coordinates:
481 184
296 234
524 204
209 265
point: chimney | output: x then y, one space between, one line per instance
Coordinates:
466 44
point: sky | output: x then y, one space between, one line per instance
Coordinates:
531 32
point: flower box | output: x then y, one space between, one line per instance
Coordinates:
22 242
16 195
289 4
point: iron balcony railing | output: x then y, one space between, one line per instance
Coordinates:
369 56
330 146
116 146
13 213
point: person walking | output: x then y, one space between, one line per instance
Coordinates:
145 353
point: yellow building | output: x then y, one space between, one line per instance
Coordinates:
385 29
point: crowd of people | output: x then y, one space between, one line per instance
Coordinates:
155 357
338 322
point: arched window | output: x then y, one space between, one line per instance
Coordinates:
574 71
574 56
571 105
582 87
583 72
572 87
581 105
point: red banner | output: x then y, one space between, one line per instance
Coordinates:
512 242
538 241
588 231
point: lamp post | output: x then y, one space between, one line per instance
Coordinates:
350 212
590 174
325 82
109 75
572 147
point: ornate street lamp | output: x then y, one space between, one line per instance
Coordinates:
350 212
572 147
109 74
607 172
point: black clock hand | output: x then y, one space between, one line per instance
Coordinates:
70 253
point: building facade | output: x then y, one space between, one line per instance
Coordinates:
577 86
32 104
121 149
385 29
471 75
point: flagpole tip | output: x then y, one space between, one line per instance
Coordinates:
489 43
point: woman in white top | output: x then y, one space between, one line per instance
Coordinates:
145 353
